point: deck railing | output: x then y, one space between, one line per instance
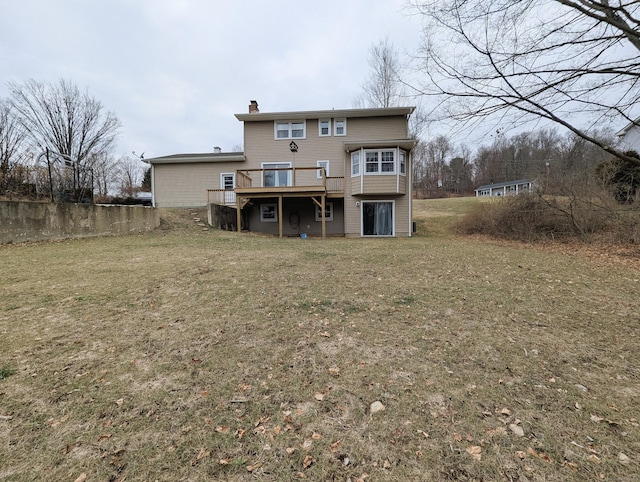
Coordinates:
221 196
335 184
298 177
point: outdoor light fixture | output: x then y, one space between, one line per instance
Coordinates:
293 146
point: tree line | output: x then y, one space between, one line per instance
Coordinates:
441 168
57 142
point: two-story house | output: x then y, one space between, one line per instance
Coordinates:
329 172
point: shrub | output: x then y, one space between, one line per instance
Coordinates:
533 217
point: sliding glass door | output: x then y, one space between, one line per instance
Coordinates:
377 218
276 174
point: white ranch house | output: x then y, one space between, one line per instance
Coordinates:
505 188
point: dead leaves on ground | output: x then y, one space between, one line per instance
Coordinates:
204 453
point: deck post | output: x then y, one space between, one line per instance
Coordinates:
239 213
323 206
280 215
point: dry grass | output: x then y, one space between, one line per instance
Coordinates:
192 355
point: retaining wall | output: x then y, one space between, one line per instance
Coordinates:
33 221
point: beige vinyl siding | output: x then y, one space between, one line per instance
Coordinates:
376 128
402 184
402 222
351 217
185 185
378 184
260 146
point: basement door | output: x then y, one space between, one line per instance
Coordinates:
377 218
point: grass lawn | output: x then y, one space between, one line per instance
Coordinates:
205 355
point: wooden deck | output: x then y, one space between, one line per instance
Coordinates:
309 182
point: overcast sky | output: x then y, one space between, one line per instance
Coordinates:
176 71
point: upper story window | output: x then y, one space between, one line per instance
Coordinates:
403 162
324 127
380 162
355 163
290 130
324 164
340 127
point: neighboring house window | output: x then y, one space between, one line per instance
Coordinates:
403 162
290 130
324 127
276 174
324 164
340 127
328 212
377 218
355 163
377 162
268 213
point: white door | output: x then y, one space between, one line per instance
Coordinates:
228 183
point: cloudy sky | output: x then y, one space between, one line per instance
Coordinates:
175 71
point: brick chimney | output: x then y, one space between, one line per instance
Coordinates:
253 107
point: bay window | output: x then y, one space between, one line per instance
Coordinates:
355 163
380 161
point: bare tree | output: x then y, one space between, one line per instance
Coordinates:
432 173
572 62
129 175
105 173
12 147
63 119
383 88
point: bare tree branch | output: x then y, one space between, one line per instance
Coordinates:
572 62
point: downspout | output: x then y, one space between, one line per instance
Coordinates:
409 174
153 186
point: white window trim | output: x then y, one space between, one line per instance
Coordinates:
357 174
380 172
229 194
393 218
280 165
326 169
320 134
275 213
290 136
225 174
402 153
328 207
335 127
